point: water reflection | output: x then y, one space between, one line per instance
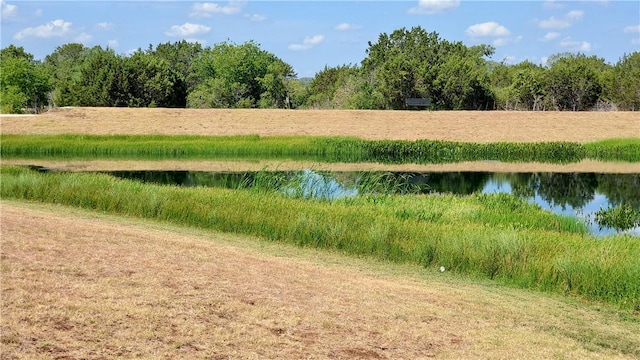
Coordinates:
576 194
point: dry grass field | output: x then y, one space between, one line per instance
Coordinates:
76 284
83 285
287 165
471 126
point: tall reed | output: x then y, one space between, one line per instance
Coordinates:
328 149
495 236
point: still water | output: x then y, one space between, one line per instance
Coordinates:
575 194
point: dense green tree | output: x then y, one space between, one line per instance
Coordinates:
64 65
103 80
297 89
325 83
24 83
277 85
462 83
230 75
359 92
405 63
15 52
528 87
625 84
574 83
179 56
501 78
219 93
414 63
150 81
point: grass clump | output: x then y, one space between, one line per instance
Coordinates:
495 236
325 149
615 150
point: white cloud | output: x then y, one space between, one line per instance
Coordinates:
346 26
430 7
632 29
54 28
499 42
561 23
491 28
187 29
550 36
552 5
256 17
105 25
112 44
505 40
575 15
574 45
553 23
307 43
209 9
7 11
83 38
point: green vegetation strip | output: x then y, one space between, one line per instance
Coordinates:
496 236
328 149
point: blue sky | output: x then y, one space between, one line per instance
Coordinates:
311 34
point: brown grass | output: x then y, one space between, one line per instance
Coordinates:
76 284
82 285
286 165
472 126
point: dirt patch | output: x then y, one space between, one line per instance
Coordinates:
470 126
282 165
83 285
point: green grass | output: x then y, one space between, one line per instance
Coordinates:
493 236
615 149
327 149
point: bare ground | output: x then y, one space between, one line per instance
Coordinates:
470 126
83 285
285 165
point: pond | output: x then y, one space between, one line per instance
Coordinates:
575 194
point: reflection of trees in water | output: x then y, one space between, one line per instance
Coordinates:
156 177
571 189
414 183
577 189
230 180
463 183
558 189
523 185
620 189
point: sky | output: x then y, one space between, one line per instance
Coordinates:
310 35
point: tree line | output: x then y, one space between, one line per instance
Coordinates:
407 63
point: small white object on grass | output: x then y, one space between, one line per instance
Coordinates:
441 268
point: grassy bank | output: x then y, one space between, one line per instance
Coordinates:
181 292
325 149
495 236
